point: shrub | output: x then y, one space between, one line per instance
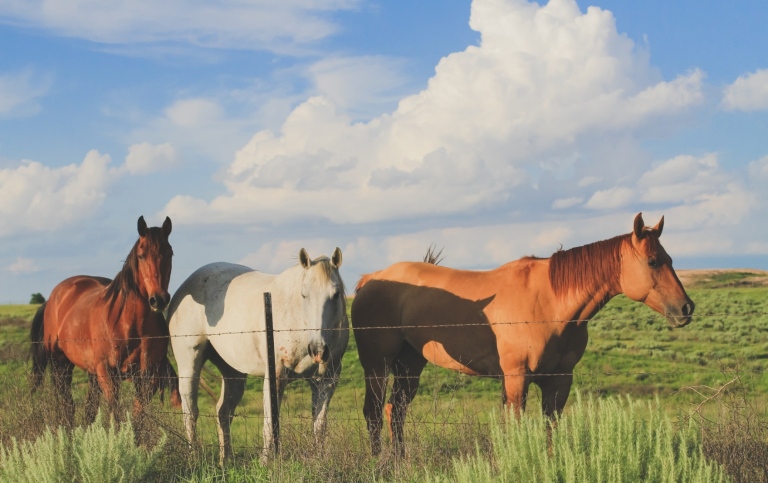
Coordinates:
93 454
610 440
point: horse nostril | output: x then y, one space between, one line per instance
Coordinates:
152 302
688 309
311 351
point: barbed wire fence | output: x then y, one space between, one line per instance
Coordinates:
447 411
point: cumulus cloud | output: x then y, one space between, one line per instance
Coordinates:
20 91
759 168
147 158
277 26
35 197
545 83
748 93
360 86
563 203
23 265
611 198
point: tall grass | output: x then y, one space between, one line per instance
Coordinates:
599 440
93 454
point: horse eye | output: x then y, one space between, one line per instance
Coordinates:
653 263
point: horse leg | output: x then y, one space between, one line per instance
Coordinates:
407 370
61 375
515 387
554 394
270 445
376 378
110 387
190 362
92 401
232 389
322 391
143 383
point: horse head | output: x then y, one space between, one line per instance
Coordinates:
153 263
323 301
647 275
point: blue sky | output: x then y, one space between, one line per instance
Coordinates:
494 128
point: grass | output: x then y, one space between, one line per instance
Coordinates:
632 351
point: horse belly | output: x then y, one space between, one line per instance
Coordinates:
241 351
435 353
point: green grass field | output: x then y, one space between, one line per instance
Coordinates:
632 351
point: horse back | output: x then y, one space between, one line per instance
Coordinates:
72 304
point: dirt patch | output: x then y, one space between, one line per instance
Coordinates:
721 278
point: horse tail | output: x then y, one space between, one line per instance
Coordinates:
170 380
37 350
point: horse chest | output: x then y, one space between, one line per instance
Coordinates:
561 352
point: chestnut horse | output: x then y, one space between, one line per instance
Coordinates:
112 329
524 322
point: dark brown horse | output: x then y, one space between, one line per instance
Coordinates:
524 322
112 329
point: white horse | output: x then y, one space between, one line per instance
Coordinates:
217 314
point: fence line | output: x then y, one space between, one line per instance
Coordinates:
653 317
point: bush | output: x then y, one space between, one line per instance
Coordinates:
610 440
37 298
93 454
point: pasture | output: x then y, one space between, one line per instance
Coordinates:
722 355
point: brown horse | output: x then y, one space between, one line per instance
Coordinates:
112 329
523 322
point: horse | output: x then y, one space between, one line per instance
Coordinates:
218 314
111 329
523 322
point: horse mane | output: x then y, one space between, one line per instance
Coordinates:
327 271
583 268
432 256
126 281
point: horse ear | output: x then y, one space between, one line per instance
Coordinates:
167 226
142 226
658 228
304 258
336 258
639 225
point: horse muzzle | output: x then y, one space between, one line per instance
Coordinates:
319 354
158 302
683 316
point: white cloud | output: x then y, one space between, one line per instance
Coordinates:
546 82
759 168
194 112
34 197
278 26
147 158
19 91
611 198
275 257
360 86
748 93
563 203
682 178
23 265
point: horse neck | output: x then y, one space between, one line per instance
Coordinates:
128 306
585 278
